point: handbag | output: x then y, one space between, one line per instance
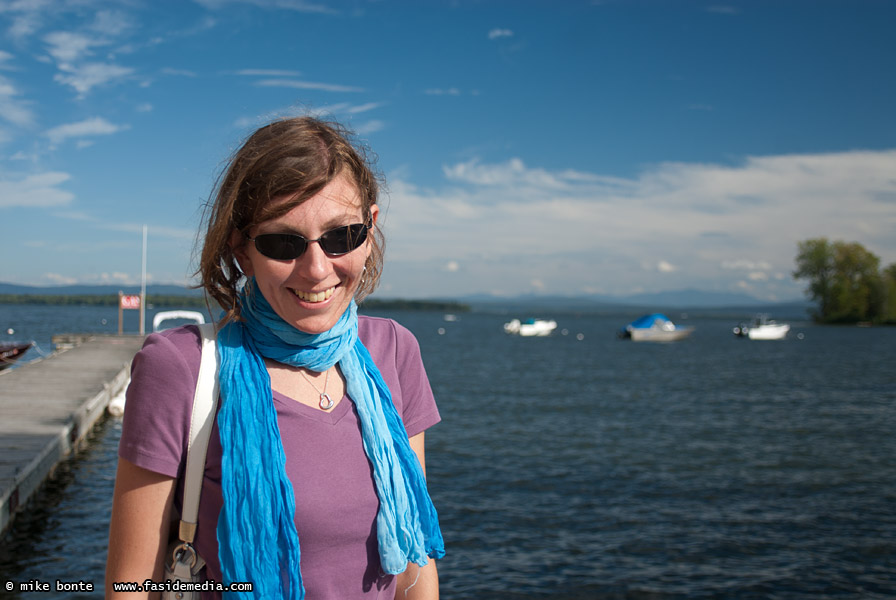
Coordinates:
182 562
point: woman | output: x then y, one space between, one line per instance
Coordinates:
313 484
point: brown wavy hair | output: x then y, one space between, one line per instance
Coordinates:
295 157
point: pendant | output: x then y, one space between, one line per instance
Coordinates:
326 403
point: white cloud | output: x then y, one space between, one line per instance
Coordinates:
295 5
12 108
85 77
307 85
361 108
27 15
370 127
499 33
746 265
112 23
452 266
68 47
58 279
39 190
87 128
72 52
714 225
514 173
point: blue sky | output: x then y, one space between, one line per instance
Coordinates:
572 147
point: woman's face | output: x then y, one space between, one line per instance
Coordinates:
310 292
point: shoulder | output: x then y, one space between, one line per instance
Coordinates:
374 328
375 331
397 355
184 340
159 401
176 349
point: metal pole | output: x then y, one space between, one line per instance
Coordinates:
143 288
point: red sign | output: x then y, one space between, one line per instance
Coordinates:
130 302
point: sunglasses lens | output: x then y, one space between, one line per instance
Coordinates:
343 240
280 246
287 246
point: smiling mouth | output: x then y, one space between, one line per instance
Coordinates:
314 296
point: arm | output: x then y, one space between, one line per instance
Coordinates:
139 528
426 577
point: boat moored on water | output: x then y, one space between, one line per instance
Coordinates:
762 328
655 327
530 327
183 315
10 352
117 404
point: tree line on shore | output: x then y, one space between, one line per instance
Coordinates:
100 300
183 301
847 282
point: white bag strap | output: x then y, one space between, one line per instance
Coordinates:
204 402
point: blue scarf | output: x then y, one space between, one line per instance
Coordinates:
257 539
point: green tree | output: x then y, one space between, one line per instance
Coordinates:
844 279
889 285
856 290
815 262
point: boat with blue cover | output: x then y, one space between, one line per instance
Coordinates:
655 327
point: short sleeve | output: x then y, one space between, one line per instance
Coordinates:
396 353
159 401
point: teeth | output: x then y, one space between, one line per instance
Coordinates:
314 296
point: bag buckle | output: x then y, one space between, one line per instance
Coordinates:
179 553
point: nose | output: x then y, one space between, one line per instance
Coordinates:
314 264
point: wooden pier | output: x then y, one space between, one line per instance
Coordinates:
48 406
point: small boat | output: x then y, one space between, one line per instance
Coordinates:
10 352
655 327
188 315
117 404
762 328
531 327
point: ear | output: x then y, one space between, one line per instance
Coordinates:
374 215
239 247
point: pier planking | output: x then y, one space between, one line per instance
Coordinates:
49 405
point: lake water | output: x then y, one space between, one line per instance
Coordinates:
716 467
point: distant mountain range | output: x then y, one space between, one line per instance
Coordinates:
675 299
78 290
688 298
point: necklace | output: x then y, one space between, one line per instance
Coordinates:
326 403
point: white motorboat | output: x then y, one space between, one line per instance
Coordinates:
762 328
531 327
183 315
116 405
655 328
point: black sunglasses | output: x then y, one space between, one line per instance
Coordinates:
287 246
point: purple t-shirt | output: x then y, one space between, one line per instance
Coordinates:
332 479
